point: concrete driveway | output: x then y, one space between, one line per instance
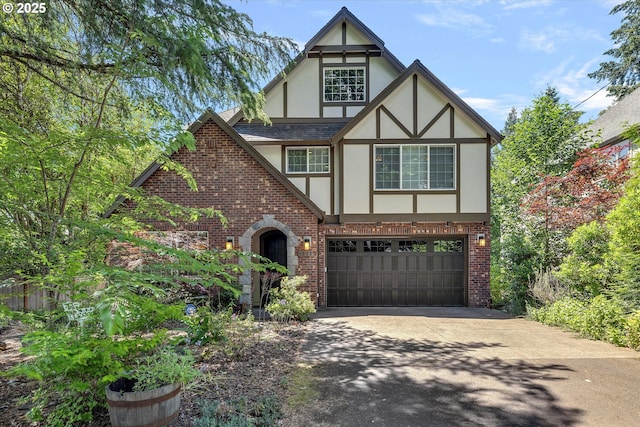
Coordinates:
461 367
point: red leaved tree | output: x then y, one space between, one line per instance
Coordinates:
586 193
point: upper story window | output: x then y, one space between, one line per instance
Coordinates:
344 84
414 167
308 160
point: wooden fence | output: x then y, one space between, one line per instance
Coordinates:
19 296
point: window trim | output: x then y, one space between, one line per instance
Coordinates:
307 148
345 67
415 190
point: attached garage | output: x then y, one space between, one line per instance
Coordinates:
396 272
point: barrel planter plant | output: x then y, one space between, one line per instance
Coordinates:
149 396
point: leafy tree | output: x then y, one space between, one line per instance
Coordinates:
624 223
92 92
511 121
585 269
586 193
543 142
182 54
623 72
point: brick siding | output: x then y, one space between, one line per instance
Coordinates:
231 180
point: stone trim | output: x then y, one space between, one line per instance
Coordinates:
246 243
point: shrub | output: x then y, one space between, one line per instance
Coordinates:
73 369
546 288
600 318
287 302
264 413
162 367
632 330
206 326
585 269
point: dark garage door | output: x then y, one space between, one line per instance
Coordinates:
384 272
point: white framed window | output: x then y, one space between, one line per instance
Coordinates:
414 167
308 160
344 84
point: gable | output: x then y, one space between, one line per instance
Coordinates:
343 44
415 106
226 168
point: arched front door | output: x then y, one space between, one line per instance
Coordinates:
273 245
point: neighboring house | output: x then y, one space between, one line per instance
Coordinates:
373 179
614 121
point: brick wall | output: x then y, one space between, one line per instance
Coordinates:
231 180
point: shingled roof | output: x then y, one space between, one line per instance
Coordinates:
613 121
258 132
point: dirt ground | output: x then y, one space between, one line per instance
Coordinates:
263 369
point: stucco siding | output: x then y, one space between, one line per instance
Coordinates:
274 104
356 179
436 203
473 178
332 37
382 73
301 183
392 203
273 153
320 192
465 128
302 95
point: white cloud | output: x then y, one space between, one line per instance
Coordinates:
548 38
523 4
452 15
575 86
537 41
495 110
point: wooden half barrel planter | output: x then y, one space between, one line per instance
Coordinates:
152 408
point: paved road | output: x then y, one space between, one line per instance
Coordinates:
463 367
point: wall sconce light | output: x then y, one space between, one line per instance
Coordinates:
229 244
307 243
481 239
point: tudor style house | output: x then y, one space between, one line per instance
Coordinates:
372 180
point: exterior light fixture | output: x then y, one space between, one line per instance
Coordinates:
229 244
481 239
307 243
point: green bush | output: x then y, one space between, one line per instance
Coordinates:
287 303
238 413
600 318
73 367
584 270
162 367
624 223
632 330
207 326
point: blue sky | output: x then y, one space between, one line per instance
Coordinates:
495 54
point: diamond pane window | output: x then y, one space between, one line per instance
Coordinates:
344 84
308 160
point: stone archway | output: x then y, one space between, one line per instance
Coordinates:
246 243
